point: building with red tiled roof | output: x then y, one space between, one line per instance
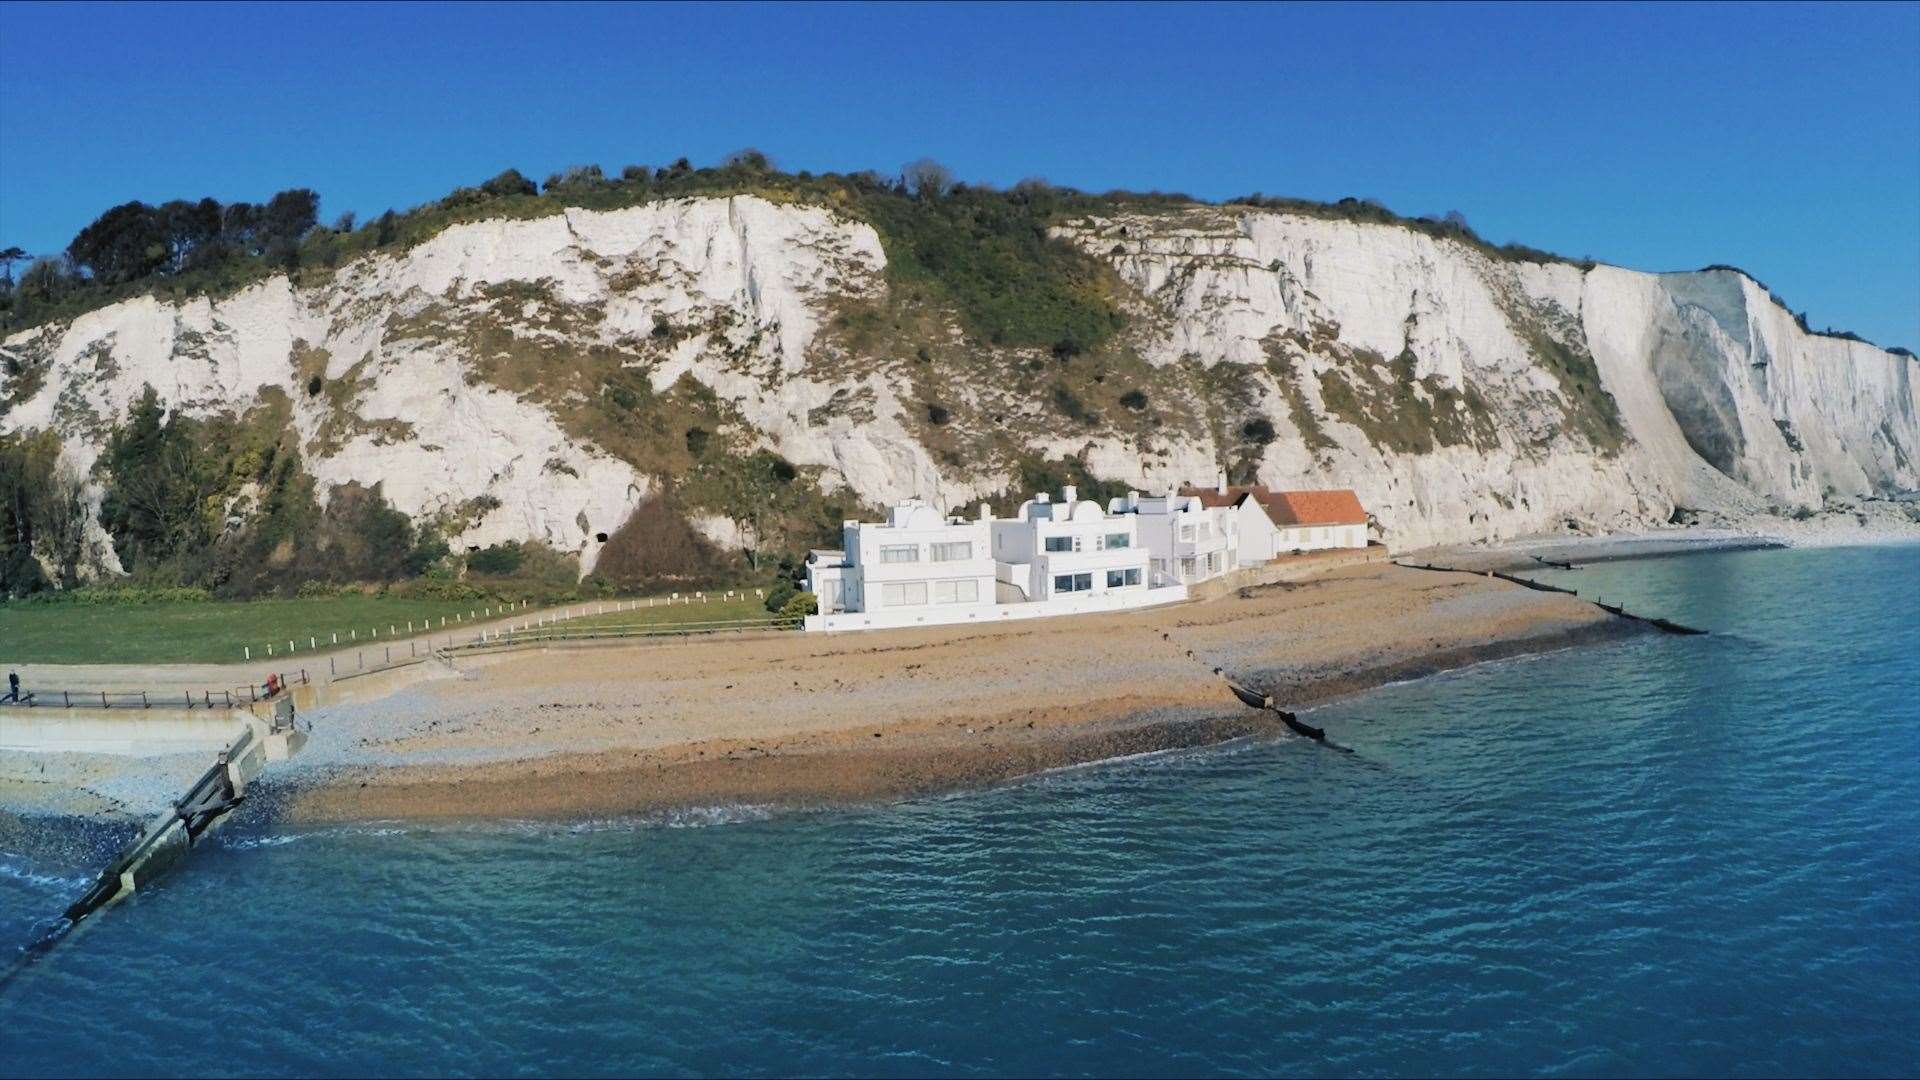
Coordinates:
1339 506
1280 522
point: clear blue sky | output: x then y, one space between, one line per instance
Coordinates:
1783 139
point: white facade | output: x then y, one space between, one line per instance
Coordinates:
917 568
1187 541
914 561
1259 536
1293 538
1067 548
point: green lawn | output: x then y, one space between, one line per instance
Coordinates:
717 609
222 632
211 632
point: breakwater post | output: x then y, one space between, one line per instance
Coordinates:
1667 626
172 835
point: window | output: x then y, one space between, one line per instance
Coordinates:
903 593
1213 563
1059 543
1119 578
1118 540
901 553
1206 531
1186 532
1063 583
1186 569
956 592
954 552
831 600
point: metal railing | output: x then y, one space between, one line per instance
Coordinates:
540 635
152 699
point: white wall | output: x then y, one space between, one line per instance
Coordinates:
1321 537
926 581
1076 604
1163 521
1259 539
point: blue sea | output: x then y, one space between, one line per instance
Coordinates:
1668 856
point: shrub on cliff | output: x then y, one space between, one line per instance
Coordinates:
657 546
497 560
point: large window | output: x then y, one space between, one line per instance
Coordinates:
1186 532
954 552
900 553
1060 543
903 593
1063 583
1119 578
956 592
1118 540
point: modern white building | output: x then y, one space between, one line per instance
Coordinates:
1065 556
1187 541
917 568
914 561
1055 549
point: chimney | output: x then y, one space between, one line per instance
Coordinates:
986 512
1133 500
1223 481
1069 493
1042 497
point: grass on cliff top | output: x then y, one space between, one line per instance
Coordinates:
985 249
687 612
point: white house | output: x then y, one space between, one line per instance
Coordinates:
1058 549
915 561
1187 541
1274 523
1318 520
917 569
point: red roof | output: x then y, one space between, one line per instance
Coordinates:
1335 507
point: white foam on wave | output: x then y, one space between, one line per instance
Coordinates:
273 840
21 872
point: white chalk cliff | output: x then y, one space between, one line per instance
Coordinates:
1464 397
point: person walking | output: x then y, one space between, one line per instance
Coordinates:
13 686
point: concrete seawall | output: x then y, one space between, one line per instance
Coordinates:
132 733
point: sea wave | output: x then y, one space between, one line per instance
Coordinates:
16 868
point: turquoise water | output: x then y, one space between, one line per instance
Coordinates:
1669 856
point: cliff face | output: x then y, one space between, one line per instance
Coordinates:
539 378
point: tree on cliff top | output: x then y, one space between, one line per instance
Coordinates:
926 178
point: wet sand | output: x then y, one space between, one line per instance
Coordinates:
809 720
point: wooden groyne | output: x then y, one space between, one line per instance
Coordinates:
1667 625
1254 699
1664 625
173 834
